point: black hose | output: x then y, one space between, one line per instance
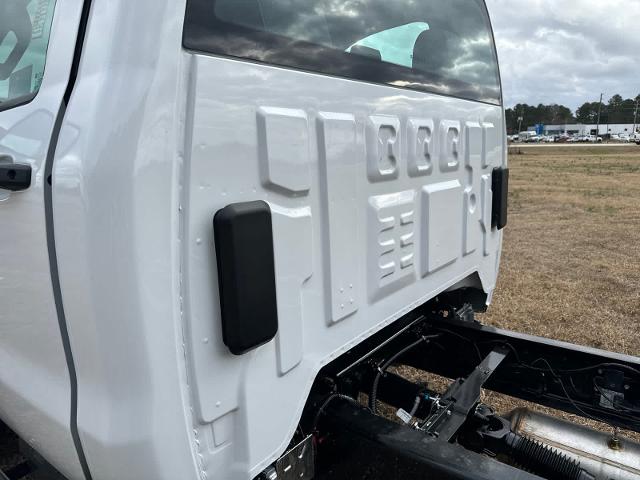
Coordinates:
383 368
326 403
545 461
416 405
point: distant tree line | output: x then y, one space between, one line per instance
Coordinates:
616 110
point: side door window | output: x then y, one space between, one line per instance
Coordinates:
25 26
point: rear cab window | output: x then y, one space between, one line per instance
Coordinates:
428 45
25 27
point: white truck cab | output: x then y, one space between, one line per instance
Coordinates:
209 205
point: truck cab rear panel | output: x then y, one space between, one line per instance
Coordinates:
359 239
378 183
384 186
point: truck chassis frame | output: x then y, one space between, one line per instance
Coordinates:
443 338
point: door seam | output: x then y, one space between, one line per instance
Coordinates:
51 246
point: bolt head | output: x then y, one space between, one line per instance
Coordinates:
615 444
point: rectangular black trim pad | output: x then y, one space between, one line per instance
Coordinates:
14 177
246 275
500 187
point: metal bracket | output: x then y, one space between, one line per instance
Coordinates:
463 396
298 463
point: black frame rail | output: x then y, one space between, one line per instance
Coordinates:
575 379
436 457
572 378
591 383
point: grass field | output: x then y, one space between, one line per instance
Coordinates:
571 260
571 257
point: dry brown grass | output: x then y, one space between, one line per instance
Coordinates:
571 258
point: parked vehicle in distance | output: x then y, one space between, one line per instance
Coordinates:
593 139
528 136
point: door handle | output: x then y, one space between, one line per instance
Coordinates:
15 177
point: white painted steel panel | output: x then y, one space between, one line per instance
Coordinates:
473 160
35 388
119 234
420 146
391 237
339 163
352 195
441 225
163 140
293 248
284 148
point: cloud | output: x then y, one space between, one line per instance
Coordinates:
567 52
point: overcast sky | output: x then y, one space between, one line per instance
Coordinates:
567 51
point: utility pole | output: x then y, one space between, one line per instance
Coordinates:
599 111
520 118
635 115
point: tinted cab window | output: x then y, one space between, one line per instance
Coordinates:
25 26
442 47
